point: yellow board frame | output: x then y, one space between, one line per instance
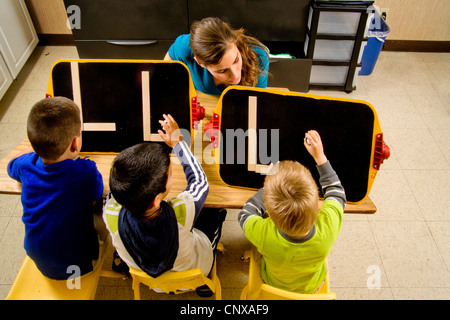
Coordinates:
376 126
192 92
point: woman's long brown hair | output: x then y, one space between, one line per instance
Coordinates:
210 39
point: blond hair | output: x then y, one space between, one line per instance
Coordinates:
291 198
210 39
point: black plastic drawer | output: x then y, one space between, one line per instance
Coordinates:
145 49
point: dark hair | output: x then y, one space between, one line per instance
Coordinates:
138 174
52 124
210 38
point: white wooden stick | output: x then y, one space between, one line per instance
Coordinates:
146 106
99 126
252 136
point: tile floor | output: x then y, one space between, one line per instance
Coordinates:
401 252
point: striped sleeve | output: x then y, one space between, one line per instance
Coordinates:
253 206
197 183
331 185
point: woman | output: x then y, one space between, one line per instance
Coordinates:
218 56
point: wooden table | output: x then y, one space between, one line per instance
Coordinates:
220 195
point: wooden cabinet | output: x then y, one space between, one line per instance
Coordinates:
123 29
17 40
5 77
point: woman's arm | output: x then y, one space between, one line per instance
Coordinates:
167 57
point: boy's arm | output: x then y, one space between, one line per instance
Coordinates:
253 206
197 183
329 181
98 183
12 168
331 185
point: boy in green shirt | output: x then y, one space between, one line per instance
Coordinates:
296 238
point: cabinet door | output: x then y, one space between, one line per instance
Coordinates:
267 20
17 35
5 77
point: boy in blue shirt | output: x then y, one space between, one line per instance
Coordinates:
58 191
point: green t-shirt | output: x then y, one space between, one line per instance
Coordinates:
295 266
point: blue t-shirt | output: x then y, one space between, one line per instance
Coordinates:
57 204
202 78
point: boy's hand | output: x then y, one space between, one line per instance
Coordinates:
172 133
315 147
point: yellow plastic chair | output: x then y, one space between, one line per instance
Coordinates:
31 284
177 282
256 289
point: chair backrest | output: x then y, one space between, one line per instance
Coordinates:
173 282
31 284
257 289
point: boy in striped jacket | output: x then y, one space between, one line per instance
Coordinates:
283 221
153 234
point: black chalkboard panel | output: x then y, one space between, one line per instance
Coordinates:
111 92
346 129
